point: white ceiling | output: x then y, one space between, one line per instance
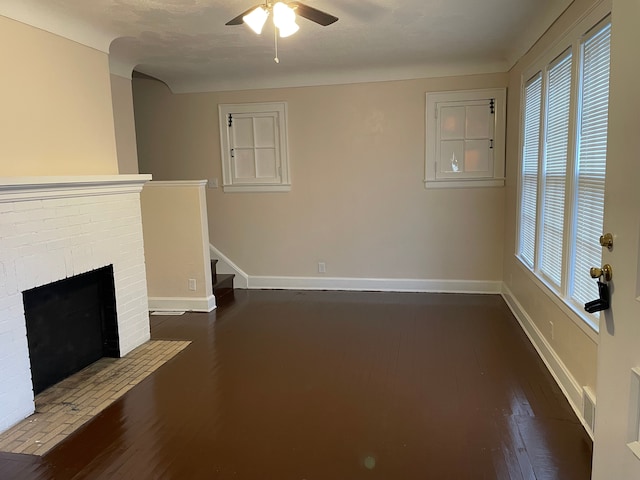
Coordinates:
186 44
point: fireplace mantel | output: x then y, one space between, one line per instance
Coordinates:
38 188
56 227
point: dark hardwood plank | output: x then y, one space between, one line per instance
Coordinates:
333 385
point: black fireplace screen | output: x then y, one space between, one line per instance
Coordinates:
70 324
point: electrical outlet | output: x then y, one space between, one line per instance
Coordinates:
322 267
192 284
212 183
553 333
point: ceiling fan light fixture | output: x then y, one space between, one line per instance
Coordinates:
256 19
285 19
288 30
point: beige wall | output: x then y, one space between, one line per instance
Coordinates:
574 347
125 127
56 116
358 200
175 241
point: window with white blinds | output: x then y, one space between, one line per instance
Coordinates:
591 162
563 165
554 168
530 155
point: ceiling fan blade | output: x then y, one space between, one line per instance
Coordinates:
313 14
238 20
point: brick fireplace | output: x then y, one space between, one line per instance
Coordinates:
52 228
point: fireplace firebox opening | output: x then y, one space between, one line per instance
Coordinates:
71 323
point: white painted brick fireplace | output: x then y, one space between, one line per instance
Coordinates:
52 228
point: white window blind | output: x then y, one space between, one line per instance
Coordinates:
555 168
530 156
565 100
591 162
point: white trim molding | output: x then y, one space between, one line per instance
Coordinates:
559 371
316 78
469 183
62 25
494 100
177 183
257 282
375 284
263 188
180 304
226 265
14 189
233 119
121 68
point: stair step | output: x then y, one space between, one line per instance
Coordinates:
213 270
223 287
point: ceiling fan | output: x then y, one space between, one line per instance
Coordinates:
283 16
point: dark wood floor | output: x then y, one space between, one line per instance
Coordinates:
334 385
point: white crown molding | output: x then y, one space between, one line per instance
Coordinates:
180 304
53 22
79 32
40 188
535 31
121 68
70 28
343 77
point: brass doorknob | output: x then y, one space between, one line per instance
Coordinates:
606 271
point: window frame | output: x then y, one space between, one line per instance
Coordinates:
280 111
521 176
433 99
542 183
574 39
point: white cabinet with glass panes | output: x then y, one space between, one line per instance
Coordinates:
465 139
253 140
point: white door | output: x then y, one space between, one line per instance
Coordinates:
617 411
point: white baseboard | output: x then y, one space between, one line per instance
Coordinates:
567 383
244 280
374 284
187 304
225 265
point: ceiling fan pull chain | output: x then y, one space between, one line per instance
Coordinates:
275 39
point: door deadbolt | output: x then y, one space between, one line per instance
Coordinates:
606 240
605 272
